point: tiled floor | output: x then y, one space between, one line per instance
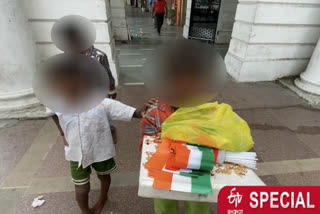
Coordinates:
284 128
134 54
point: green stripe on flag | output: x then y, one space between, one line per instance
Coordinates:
201 184
207 160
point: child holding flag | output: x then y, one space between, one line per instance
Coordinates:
185 74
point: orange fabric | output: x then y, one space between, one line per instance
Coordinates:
179 157
178 13
216 153
159 159
163 180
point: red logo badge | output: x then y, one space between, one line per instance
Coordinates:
269 199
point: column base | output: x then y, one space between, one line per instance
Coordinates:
307 85
243 70
21 105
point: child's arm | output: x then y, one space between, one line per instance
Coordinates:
56 121
119 111
112 86
140 113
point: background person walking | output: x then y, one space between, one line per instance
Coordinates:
159 12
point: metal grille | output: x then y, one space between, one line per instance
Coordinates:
201 32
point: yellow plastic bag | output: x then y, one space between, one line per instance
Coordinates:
212 124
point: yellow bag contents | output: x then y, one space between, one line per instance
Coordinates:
212 124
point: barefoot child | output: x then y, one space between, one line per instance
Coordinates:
88 144
87 135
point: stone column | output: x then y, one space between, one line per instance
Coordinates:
187 22
272 39
17 64
119 20
310 79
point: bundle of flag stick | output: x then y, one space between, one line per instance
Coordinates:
183 167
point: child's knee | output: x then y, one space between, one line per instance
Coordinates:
82 189
104 177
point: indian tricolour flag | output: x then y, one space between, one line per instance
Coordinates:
184 156
181 167
194 182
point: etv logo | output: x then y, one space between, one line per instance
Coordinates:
234 198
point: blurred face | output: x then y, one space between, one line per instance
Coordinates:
71 83
185 73
187 88
70 88
73 34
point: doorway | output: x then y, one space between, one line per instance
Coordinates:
204 19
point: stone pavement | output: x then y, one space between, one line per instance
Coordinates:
134 54
286 131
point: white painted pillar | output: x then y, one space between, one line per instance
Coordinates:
17 64
42 14
187 22
272 38
310 79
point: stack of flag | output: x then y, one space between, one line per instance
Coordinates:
182 167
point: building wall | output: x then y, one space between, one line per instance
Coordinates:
43 13
119 19
25 39
272 38
17 63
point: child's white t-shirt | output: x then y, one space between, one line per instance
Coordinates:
88 134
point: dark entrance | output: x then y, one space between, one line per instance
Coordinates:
204 19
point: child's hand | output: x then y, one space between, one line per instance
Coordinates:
147 105
65 142
141 113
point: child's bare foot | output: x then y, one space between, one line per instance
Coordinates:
87 212
98 207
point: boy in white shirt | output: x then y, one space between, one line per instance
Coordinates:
88 139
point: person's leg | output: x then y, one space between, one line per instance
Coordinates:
105 181
81 178
164 206
103 170
160 23
82 197
156 20
193 207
